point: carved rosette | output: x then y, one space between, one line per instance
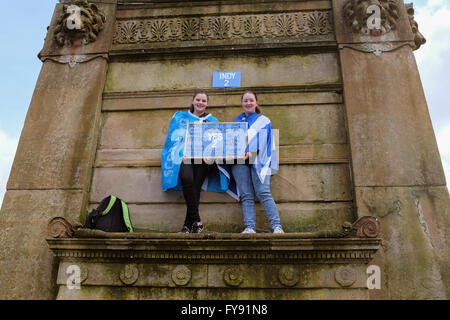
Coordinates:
291 25
233 276
288 276
80 23
181 275
129 274
345 276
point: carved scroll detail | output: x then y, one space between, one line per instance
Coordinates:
60 228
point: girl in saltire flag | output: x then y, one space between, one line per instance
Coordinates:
261 162
179 174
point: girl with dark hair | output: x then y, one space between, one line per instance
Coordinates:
185 174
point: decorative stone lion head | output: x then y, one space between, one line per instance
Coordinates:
358 12
80 23
419 39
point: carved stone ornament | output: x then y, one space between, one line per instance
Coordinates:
345 276
288 276
285 25
377 48
232 276
74 59
181 275
129 274
419 39
359 14
80 24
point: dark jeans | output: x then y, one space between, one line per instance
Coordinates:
192 178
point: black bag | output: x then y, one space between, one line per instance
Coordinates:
111 215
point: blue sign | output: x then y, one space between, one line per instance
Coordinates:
226 79
215 140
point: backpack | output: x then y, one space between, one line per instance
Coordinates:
111 215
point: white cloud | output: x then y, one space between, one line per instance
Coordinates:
8 146
443 140
433 18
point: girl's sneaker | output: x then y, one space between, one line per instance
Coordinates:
248 230
278 230
184 230
197 227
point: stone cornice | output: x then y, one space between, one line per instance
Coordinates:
204 250
356 242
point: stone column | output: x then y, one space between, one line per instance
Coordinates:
396 167
52 169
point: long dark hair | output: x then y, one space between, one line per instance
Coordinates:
258 109
191 108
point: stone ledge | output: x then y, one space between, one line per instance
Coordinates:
165 265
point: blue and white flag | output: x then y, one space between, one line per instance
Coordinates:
260 142
172 155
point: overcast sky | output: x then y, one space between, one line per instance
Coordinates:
26 22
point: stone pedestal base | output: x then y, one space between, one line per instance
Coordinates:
212 266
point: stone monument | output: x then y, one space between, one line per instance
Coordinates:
360 182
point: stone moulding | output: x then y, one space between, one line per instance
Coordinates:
292 25
364 227
257 262
73 60
377 48
356 241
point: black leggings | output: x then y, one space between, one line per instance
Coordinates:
192 178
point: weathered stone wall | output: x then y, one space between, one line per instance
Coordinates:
298 88
354 131
52 169
396 167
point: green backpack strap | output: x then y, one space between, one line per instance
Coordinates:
110 204
126 216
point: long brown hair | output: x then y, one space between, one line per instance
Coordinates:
191 108
258 109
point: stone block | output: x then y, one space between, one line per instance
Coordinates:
316 124
414 258
57 144
391 137
308 182
193 73
28 266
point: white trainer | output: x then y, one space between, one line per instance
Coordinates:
278 230
248 230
